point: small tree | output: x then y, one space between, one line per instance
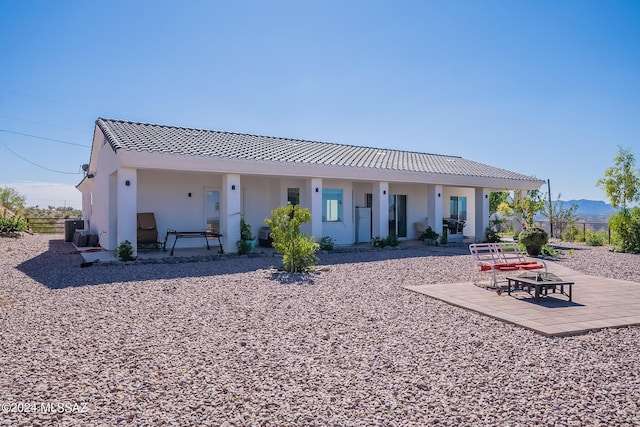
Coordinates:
621 183
560 216
11 199
527 207
297 248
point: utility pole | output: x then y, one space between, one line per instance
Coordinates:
550 209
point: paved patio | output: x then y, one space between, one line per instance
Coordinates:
597 303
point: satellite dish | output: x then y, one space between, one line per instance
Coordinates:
85 167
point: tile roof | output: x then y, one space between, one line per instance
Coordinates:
144 137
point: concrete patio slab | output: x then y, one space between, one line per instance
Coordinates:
597 303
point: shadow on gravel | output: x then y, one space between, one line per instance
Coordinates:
59 266
293 278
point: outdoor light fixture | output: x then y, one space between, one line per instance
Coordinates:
438 194
486 196
233 187
384 191
317 190
127 183
189 194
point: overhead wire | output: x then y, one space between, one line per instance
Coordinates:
44 138
36 164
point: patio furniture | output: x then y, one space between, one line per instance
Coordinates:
147 230
206 235
540 282
499 259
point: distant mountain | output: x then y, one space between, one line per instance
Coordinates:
590 207
588 210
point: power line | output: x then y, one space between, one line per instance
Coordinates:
35 164
46 139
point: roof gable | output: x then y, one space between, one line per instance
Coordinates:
173 140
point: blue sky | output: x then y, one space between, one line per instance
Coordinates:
546 88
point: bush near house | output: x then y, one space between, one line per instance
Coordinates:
297 248
12 225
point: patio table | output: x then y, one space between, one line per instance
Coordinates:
192 234
540 282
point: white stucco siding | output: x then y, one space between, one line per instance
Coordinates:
102 212
417 206
260 195
469 193
343 231
166 194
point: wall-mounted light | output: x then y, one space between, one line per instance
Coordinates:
486 196
233 187
189 194
127 183
384 191
317 190
438 194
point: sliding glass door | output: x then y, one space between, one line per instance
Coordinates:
398 214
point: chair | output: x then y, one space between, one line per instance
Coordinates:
147 229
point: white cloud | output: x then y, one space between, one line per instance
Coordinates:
46 194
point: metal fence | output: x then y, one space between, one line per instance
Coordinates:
583 226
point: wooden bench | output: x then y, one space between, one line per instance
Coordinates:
494 259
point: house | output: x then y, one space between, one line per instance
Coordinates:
190 178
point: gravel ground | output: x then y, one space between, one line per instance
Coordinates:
235 342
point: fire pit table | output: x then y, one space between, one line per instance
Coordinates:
540 283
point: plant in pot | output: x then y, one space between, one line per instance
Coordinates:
247 239
533 238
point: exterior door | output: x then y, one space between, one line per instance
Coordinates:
212 210
398 214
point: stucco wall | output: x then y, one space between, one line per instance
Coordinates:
166 194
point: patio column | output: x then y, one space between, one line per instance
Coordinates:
230 204
314 202
517 223
380 209
481 213
434 208
127 202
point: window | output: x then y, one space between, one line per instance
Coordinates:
458 208
293 196
331 204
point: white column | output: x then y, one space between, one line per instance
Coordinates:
380 209
230 204
517 196
127 219
434 209
481 213
314 203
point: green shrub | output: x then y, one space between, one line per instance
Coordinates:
491 236
13 224
327 243
533 238
297 249
625 226
390 240
572 234
124 252
595 238
429 236
379 242
549 251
